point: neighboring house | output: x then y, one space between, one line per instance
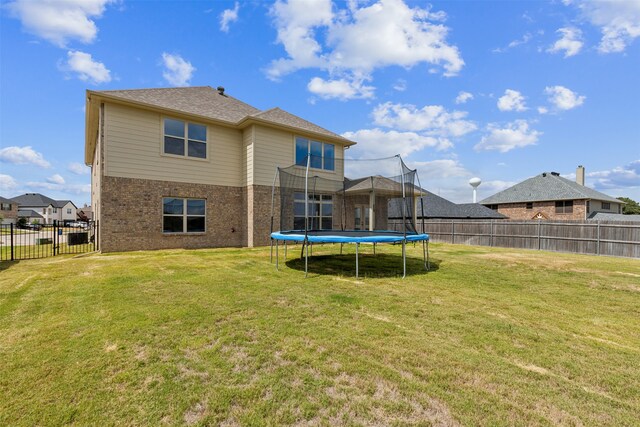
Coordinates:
85 213
432 206
550 196
602 216
8 211
31 216
193 167
49 210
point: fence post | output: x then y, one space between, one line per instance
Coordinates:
55 234
453 232
598 241
491 234
539 233
11 241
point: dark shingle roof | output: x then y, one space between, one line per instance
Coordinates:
604 216
3 200
279 116
207 102
34 199
62 203
439 207
546 187
29 213
200 100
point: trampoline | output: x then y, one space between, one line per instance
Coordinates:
352 236
328 208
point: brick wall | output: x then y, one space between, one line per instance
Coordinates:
548 209
131 217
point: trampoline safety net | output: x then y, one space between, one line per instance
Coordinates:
313 198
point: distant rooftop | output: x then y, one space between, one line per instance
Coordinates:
548 186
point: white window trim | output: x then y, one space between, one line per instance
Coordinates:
186 139
320 202
184 216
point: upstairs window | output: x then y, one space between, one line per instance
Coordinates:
606 206
183 215
68 211
5 206
322 154
529 205
564 207
185 139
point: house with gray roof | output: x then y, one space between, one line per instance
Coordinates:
48 210
432 206
551 196
192 167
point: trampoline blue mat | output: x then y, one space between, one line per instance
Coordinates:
348 236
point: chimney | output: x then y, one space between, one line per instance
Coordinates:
580 175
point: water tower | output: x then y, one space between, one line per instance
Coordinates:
475 182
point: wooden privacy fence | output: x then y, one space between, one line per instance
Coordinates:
621 239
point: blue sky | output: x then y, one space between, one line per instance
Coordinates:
499 90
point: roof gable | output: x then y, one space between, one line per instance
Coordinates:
34 199
548 186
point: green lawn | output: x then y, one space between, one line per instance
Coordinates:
207 337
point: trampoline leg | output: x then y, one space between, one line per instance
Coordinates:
424 254
404 259
311 249
374 248
271 252
357 244
302 250
306 261
341 248
277 254
285 250
428 262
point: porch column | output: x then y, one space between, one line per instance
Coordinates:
372 210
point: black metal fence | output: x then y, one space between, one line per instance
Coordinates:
40 241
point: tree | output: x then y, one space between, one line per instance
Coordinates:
631 207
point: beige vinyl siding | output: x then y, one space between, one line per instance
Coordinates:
247 156
97 169
273 147
133 149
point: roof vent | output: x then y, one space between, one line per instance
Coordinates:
220 90
544 174
555 174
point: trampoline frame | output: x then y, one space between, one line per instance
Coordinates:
349 236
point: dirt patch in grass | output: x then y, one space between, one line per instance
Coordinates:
195 413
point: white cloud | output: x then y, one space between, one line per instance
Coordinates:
526 38
619 22
618 178
516 134
60 21
512 100
570 42
228 16
433 120
177 71
378 143
65 188
463 97
357 40
543 110
56 179
86 68
439 169
23 156
563 98
342 89
400 85
78 168
7 182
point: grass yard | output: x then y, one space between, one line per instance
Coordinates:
206 337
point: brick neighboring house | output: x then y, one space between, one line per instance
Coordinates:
8 211
49 209
550 196
192 167
436 207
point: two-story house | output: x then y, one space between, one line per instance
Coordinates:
192 167
8 211
51 210
550 196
